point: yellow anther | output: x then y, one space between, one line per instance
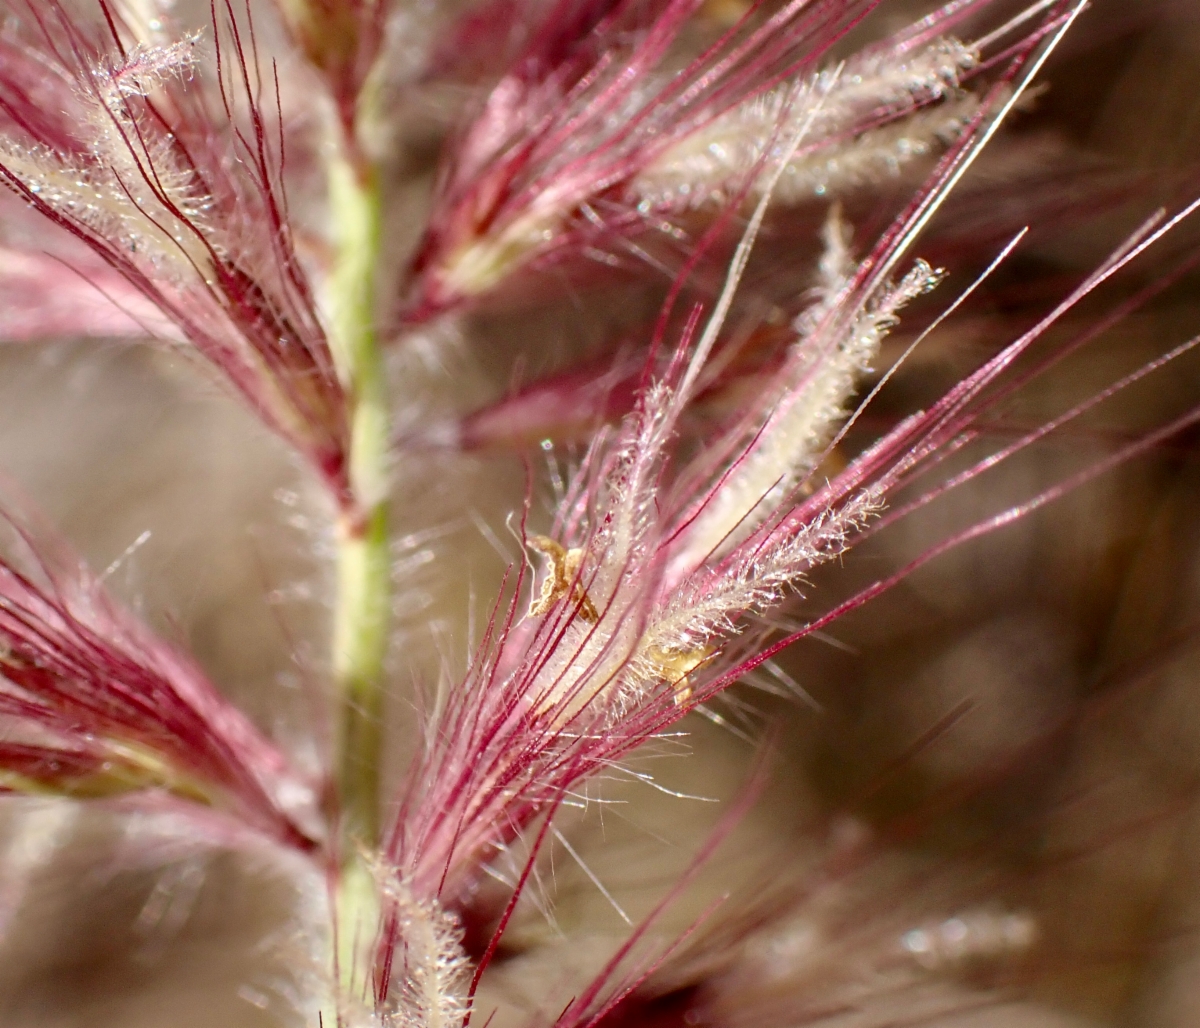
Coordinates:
562 579
676 667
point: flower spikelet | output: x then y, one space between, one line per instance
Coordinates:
833 107
589 139
563 692
39 301
190 214
785 439
96 705
435 970
711 606
686 559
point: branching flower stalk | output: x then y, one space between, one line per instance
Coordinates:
610 131
342 41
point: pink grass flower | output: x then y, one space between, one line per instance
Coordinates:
663 574
593 139
95 705
661 579
42 298
571 406
112 140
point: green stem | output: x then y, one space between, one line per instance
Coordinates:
360 631
363 605
360 645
